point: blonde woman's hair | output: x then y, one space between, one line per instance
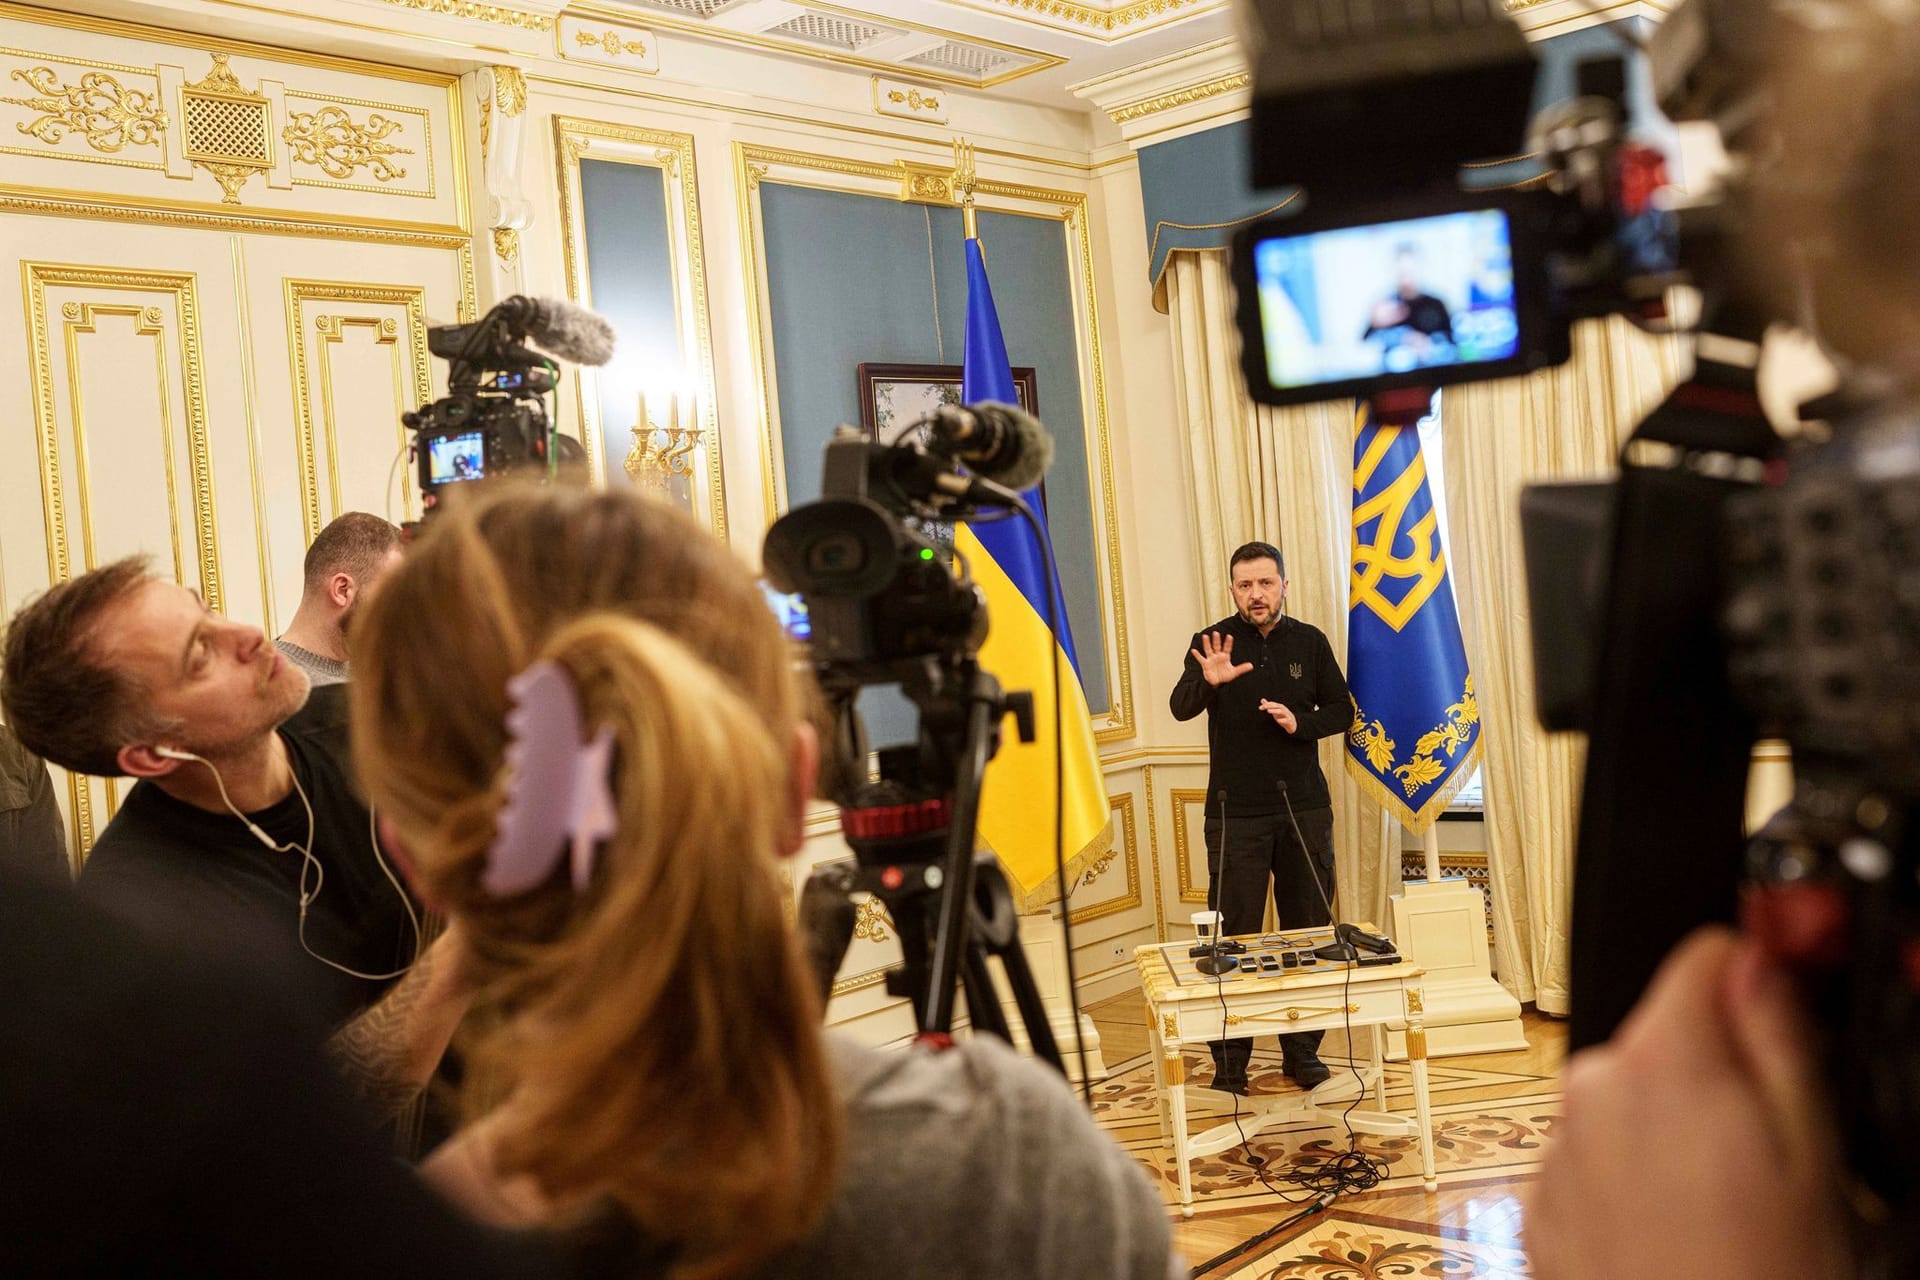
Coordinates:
654 1038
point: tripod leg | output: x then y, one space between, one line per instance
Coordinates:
983 1001
1027 996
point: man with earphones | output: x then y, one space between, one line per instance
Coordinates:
243 819
1271 689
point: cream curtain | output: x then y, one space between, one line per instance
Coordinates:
1287 475
1283 476
1564 423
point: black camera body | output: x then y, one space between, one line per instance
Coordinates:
880 594
493 421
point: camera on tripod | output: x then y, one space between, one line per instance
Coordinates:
884 607
493 421
1730 584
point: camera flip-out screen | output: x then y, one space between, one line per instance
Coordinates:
1349 308
461 457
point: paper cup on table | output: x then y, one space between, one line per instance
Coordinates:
1206 925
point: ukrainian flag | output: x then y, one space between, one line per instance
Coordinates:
1416 724
1017 807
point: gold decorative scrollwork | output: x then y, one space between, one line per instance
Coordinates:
871 922
506 245
227 131
925 187
1180 97
1414 1002
1169 1027
329 139
105 113
1292 1013
913 100
755 172
499 13
612 42
510 90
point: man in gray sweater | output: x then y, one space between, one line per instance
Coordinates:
342 567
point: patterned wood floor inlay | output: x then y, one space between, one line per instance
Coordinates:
1358 1246
1493 1115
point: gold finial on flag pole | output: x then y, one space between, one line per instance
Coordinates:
964 177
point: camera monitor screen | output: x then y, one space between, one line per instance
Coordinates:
1388 298
454 458
791 608
1450 295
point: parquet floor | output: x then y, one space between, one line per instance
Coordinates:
1493 1114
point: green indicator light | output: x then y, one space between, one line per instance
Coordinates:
926 553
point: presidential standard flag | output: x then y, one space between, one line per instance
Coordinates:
1416 726
1017 808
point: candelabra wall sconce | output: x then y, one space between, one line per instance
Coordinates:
662 452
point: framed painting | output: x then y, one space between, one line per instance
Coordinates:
895 396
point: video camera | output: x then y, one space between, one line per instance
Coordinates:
493 420
1732 584
884 606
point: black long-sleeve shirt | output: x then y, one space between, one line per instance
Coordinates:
1293 665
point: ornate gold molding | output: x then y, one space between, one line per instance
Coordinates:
182 288
913 100
105 114
611 42
499 14
1180 97
510 90
1128 844
756 164
1183 864
310 428
176 213
673 154
329 140
1104 21
1153 855
506 245
227 128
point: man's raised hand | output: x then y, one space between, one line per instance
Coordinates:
1215 657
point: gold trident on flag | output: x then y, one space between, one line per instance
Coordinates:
964 176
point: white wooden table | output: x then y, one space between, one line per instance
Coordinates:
1187 1008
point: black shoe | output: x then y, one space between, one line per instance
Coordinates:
1308 1073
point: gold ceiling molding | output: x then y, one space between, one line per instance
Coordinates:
1105 21
329 140
1029 61
107 115
503 15
1181 97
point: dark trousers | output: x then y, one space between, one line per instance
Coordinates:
1262 849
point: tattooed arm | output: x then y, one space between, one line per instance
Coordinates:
388 1053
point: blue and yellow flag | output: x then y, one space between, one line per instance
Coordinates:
1416 725
1016 807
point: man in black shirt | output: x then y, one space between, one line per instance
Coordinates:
1271 689
244 818
1412 318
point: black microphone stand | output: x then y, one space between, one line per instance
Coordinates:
1216 957
1348 939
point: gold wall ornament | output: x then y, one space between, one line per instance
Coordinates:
102 111
486 128
914 100
924 184
660 453
331 141
610 41
871 922
506 245
227 128
510 90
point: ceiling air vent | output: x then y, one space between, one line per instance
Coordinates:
966 59
831 31
687 8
